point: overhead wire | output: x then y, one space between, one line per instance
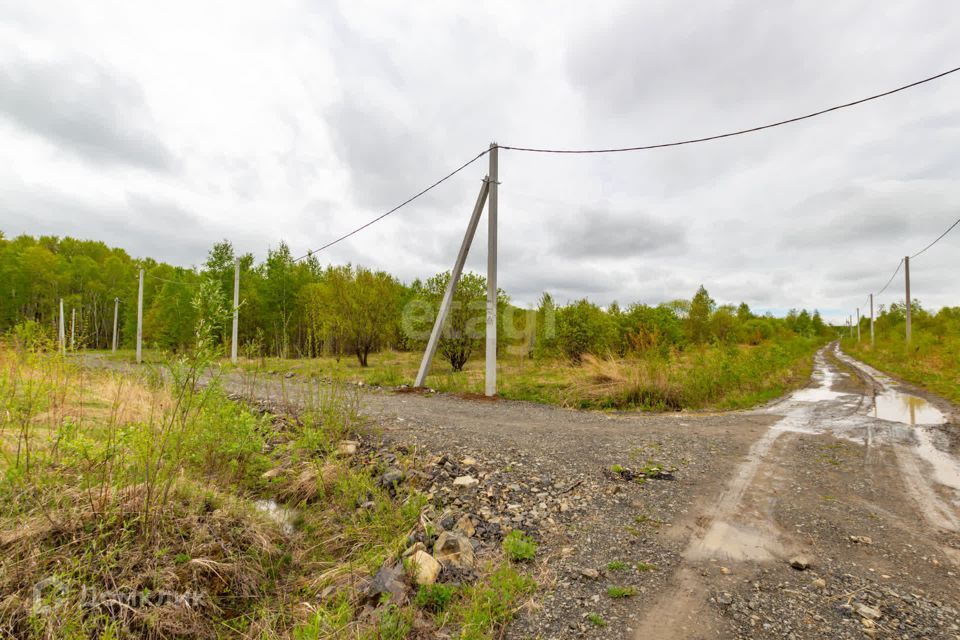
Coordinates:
896 271
741 131
939 238
398 207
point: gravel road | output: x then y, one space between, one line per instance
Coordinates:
831 513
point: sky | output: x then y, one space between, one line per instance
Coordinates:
165 127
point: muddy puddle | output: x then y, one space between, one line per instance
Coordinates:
909 409
278 513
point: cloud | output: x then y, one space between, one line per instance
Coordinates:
83 108
599 233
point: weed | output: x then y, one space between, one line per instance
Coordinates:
596 620
435 597
621 592
519 547
617 565
645 566
488 606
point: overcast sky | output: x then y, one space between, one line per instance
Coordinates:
164 127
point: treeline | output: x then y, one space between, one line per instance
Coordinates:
301 308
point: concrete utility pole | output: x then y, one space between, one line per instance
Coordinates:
116 310
236 310
61 333
906 272
73 322
491 356
850 324
140 320
871 320
447 300
858 324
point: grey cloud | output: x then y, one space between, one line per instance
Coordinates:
83 108
606 234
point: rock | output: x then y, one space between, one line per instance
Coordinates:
725 571
866 611
346 448
391 478
389 580
465 526
592 574
800 562
465 482
271 473
468 462
820 583
417 546
426 567
453 548
725 599
861 539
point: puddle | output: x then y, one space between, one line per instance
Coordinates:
903 407
732 541
281 515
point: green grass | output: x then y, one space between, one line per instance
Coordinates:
617 565
711 376
488 606
621 592
596 620
519 547
930 361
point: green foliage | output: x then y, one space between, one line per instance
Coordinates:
583 327
435 597
596 620
519 547
931 359
465 326
488 606
617 565
617 592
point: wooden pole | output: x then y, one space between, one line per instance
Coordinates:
490 387
447 299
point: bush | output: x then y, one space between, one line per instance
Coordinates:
583 327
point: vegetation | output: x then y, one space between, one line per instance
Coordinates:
679 354
931 360
149 505
519 547
621 592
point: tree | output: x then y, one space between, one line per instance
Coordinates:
465 325
583 327
698 318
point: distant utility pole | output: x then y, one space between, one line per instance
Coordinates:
236 310
850 324
906 272
73 322
140 320
858 324
871 320
491 355
61 334
116 309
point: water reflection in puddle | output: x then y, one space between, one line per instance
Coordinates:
281 515
903 407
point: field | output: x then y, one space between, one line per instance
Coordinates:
705 377
931 361
144 505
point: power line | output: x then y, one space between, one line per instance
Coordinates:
399 206
899 264
742 131
191 284
939 238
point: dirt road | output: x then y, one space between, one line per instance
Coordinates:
833 513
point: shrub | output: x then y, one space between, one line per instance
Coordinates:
519 547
